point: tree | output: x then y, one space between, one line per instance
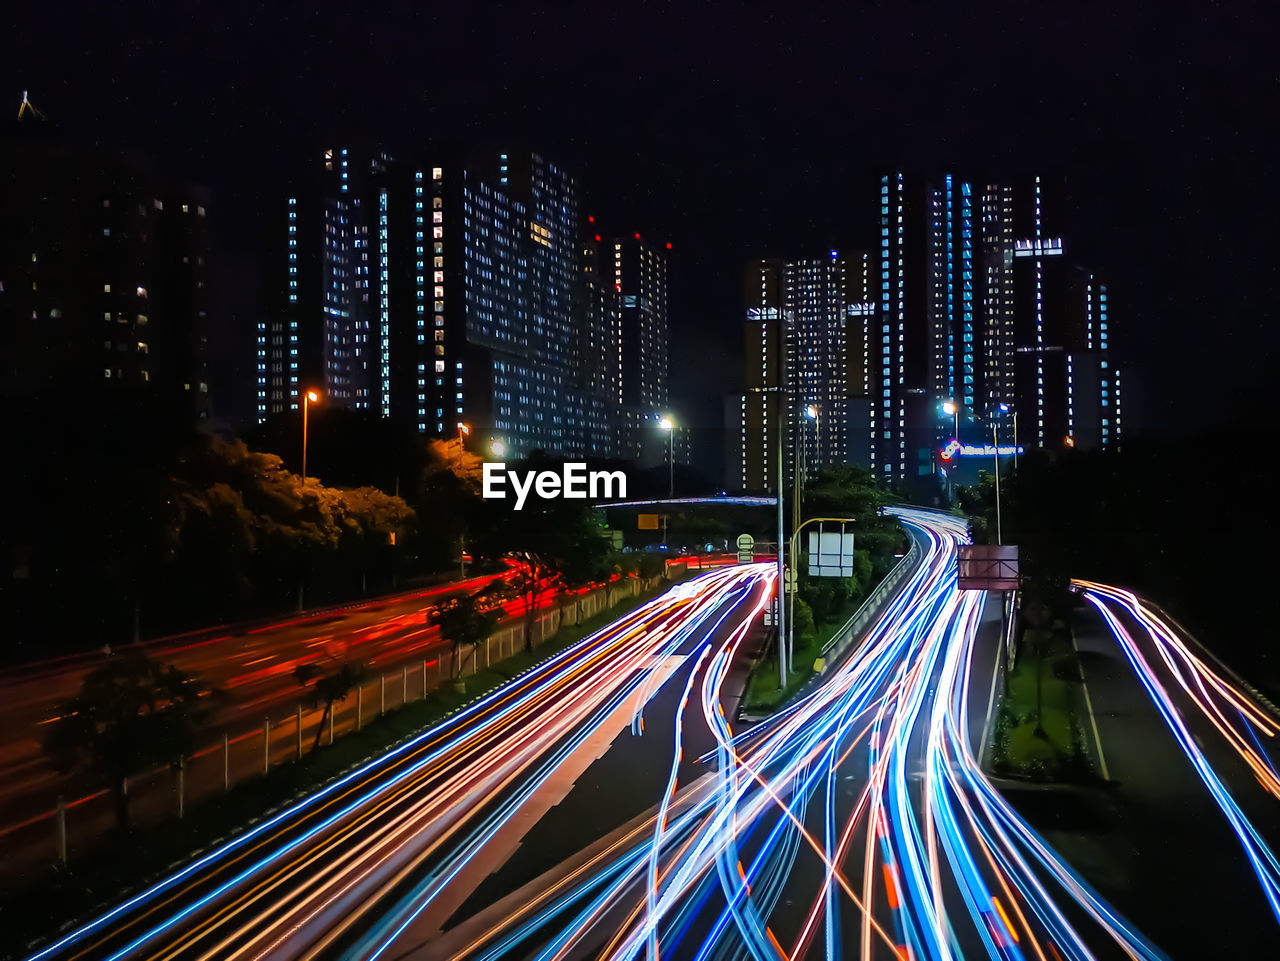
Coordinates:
465 620
556 542
329 687
1038 616
806 629
131 714
649 565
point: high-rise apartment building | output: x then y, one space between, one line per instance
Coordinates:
318 330
103 277
975 312
600 360
639 273
454 287
1094 409
808 318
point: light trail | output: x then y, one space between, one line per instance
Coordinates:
959 871
1228 709
856 822
283 885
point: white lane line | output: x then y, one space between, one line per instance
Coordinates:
1088 704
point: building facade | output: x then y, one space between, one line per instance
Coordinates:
979 321
318 330
103 278
462 287
806 350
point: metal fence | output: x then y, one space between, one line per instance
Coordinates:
870 609
167 792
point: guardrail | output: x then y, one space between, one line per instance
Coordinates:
1223 665
855 627
165 792
870 608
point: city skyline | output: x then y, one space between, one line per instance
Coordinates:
684 481
1070 113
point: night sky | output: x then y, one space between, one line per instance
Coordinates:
736 132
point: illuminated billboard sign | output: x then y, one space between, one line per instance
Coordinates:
953 449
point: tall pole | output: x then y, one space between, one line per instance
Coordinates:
780 414
1015 442
817 438
789 598
995 444
306 402
671 463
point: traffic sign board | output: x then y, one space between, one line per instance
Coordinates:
746 542
789 580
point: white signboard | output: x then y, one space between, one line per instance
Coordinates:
831 553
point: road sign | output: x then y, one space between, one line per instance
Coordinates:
988 567
746 548
790 581
831 553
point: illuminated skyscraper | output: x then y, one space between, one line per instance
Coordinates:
639 273
820 309
318 330
442 288
1094 399
974 312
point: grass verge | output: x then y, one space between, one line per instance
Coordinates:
50 901
1045 742
763 693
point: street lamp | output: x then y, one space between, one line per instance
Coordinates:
497 448
308 398
463 431
995 447
1005 408
951 408
667 424
813 414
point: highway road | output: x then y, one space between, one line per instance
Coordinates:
254 664
606 805
382 846
856 823
1192 748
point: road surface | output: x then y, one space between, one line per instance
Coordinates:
392 845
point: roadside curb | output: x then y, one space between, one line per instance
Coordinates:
1088 704
1253 692
840 645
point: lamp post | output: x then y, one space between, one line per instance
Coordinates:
463 431
813 413
497 448
952 409
995 447
667 424
1005 408
308 398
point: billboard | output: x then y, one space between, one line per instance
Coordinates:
989 567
